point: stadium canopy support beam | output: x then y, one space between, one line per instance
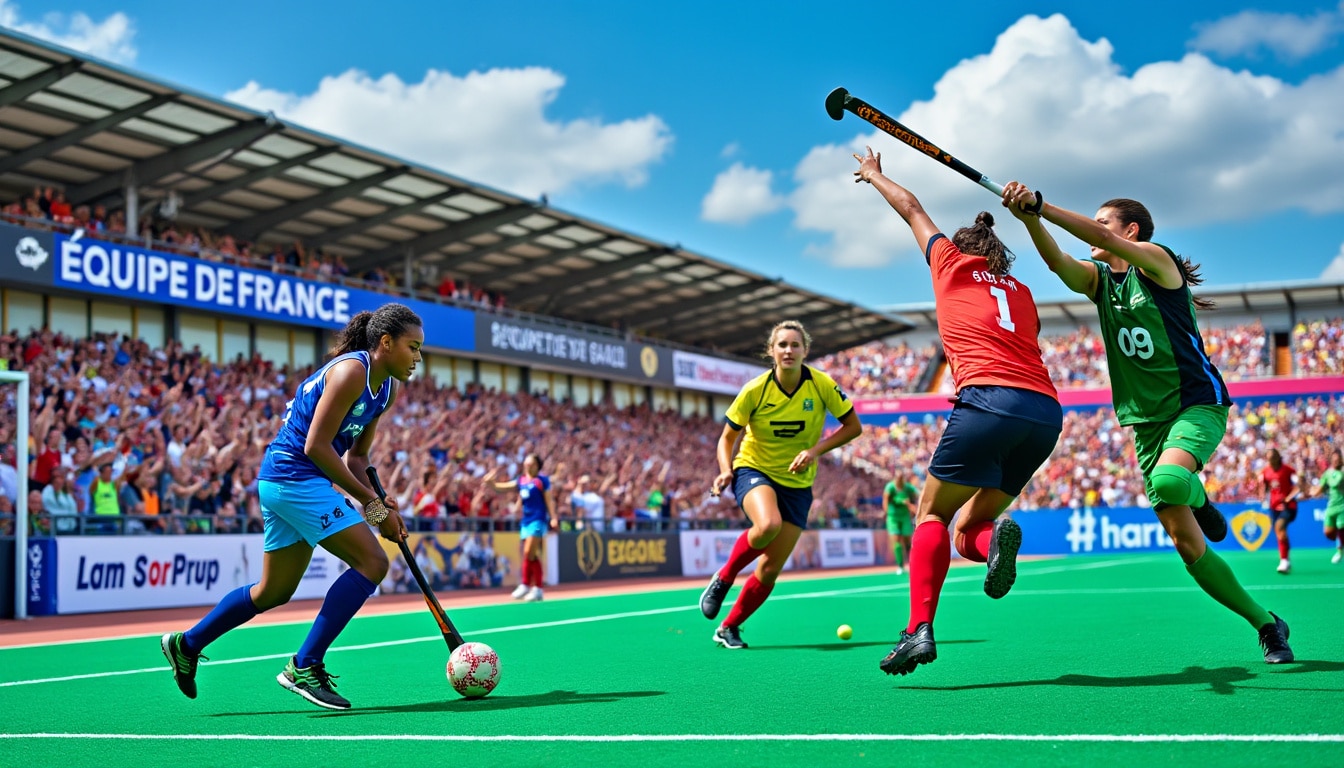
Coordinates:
151 169
451 233
369 222
664 314
22 89
192 199
48 147
713 319
251 227
452 261
587 276
545 261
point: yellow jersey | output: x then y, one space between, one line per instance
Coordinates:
780 424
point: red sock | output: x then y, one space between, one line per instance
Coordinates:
532 573
974 544
1283 546
930 557
751 597
739 558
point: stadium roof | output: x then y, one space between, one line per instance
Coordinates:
88 126
1251 298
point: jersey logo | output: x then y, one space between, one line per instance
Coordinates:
755 480
788 429
808 405
768 405
841 393
358 410
354 430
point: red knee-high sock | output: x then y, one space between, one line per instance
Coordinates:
974 543
751 597
739 558
930 557
532 573
1283 545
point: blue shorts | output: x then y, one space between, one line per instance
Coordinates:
794 503
532 530
991 449
1288 514
303 510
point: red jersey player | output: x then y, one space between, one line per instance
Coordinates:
1281 491
1004 424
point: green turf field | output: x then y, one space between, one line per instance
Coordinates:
1089 661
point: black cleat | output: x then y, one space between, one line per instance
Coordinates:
911 651
312 683
1211 521
711 600
1002 560
183 663
729 637
1274 639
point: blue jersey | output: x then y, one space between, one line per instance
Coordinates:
285 459
533 490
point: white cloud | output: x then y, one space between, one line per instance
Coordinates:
730 151
1287 35
1198 143
739 195
489 127
111 39
1334 271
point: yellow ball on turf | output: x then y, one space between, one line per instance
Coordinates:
844 632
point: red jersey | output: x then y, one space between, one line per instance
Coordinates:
988 323
1280 483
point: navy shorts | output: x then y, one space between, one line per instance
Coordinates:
991 449
1288 514
794 503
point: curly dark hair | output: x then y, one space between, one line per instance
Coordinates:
979 240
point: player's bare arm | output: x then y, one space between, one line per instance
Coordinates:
1147 257
728 441
1078 275
850 428
902 200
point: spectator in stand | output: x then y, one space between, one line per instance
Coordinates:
1318 347
9 475
59 502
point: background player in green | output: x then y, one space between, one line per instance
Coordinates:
1332 486
1162 381
898 499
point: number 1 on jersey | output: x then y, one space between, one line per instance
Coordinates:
1005 315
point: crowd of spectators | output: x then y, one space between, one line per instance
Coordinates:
47 208
1318 347
877 368
180 440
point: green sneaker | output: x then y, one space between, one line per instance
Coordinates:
312 683
183 663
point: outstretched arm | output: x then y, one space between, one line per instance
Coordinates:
1080 276
902 200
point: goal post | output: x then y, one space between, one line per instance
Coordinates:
21 406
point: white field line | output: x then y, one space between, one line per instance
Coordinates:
1137 738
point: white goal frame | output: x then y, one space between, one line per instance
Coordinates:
22 403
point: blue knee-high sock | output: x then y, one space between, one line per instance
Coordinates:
234 610
343 599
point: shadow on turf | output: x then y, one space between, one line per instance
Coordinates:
842 646
1220 680
488 704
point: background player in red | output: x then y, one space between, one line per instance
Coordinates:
1281 492
1004 424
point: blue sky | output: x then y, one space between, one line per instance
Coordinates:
702 123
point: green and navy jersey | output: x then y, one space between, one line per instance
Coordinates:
1332 480
1154 351
897 498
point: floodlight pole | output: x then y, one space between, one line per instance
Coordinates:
21 405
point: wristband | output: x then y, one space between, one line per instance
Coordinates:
1036 206
375 512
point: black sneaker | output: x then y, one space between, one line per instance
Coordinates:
711 600
1211 521
312 683
183 663
729 637
1274 639
911 651
1002 560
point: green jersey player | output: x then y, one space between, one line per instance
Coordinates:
898 499
1332 485
1162 381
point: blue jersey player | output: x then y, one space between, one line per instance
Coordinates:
325 438
534 492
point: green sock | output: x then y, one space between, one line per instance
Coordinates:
897 553
1213 576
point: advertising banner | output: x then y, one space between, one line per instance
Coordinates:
704 552
454 561
1109 530
98 573
41 586
710 374
532 340
26 256
846 548
590 555
140 274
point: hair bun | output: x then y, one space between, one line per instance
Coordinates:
986 218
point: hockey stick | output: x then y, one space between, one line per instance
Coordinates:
450 634
840 101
